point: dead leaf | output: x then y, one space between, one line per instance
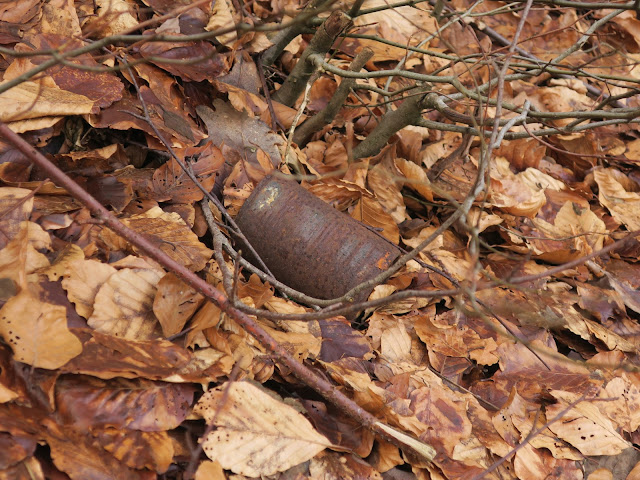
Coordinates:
169 233
174 304
37 331
584 426
123 306
256 434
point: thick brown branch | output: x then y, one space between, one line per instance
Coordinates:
322 41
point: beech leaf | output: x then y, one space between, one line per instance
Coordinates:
256 434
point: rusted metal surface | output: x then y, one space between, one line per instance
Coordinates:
307 244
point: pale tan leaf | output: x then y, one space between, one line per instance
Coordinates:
114 16
37 331
396 344
20 257
623 403
584 426
256 434
31 100
576 232
384 180
124 305
209 470
221 17
624 205
82 280
69 255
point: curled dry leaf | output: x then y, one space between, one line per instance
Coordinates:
614 192
575 232
522 193
174 304
256 434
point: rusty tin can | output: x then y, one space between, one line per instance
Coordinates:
309 245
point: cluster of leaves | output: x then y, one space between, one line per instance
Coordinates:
112 367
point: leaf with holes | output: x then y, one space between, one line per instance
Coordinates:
256 434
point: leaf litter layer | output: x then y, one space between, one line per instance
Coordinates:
505 348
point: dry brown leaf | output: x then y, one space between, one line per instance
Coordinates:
151 450
395 344
81 456
539 464
123 306
19 11
60 17
104 356
622 404
333 465
82 280
385 181
371 213
300 345
69 255
614 193
522 193
445 415
114 16
221 17
138 404
171 182
169 233
37 331
575 232
256 434
518 417
31 100
15 208
208 470
584 426
19 257
174 304
415 177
